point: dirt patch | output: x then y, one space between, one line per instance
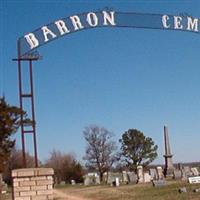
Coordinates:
59 195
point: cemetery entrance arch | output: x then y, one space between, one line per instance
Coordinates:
30 42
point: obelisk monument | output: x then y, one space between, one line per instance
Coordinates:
169 168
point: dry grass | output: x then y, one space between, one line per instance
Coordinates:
136 192
5 196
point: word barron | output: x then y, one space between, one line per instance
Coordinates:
74 23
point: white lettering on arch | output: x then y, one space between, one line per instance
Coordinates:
46 32
192 24
165 18
61 27
177 22
92 19
108 18
76 22
32 40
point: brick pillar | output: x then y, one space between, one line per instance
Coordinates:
33 184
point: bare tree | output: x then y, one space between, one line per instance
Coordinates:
65 167
15 162
100 149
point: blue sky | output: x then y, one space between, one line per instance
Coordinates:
117 78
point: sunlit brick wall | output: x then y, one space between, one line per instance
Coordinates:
33 184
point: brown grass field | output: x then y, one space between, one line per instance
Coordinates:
133 192
125 192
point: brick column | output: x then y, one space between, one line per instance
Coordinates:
33 184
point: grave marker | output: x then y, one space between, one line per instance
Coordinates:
195 179
140 174
159 183
160 172
147 177
153 173
177 174
195 171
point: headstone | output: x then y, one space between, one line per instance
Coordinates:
140 174
160 173
153 173
159 183
147 177
187 171
125 177
182 190
73 182
62 183
97 180
197 190
195 171
3 186
132 177
87 180
183 174
195 179
91 179
177 174
117 182
105 177
112 177
180 166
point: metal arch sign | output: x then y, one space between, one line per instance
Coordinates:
104 18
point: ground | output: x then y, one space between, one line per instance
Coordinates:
125 192
128 192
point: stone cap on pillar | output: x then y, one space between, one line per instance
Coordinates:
26 172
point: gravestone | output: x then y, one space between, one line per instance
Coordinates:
182 190
105 177
3 186
160 173
147 177
159 183
195 179
180 166
62 183
168 168
132 177
153 173
117 182
112 176
194 171
196 190
73 182
140 174
124 177
177 174
87 180
184 176
187 171
97 180
91 179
